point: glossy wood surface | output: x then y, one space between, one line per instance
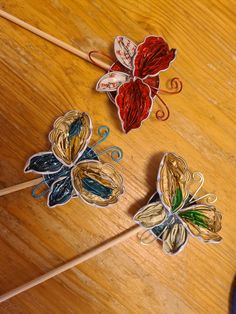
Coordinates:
39 82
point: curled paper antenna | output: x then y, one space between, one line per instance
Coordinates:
198 177
104 132
143 240
176 86
94 61
210 198
161 114
116 153
37 187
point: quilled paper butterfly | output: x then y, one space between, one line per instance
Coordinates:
72 168
132 82
173 212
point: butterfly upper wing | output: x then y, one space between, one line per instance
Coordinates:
152 56
151 215
70 136
125 49
202 221
97 183
172 181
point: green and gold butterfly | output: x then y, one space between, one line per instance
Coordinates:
173 212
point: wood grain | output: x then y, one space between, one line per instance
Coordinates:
39 81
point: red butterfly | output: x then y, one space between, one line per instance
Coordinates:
133 80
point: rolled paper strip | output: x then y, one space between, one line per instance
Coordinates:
70 136
176 86
104 132
172 213
116 153
163 113
96 61
96 183
37 187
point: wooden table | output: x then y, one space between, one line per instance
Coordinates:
39 81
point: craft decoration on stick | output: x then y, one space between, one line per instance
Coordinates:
72 168
133 80
174 212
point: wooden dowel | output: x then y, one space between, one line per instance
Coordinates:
21 186
61 44
53 39
76 261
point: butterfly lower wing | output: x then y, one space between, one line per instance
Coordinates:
61 192
174 237
172 181
70 136
151 215
111 81
202 221
96 183
134 103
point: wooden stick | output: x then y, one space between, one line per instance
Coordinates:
21 186
53 40
61 44
76 261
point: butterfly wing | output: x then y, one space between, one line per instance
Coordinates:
152 56
124 49
43 163
111 81
174 237
134 103
172 181
202 221
97 183
61 192
151 215
70 136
